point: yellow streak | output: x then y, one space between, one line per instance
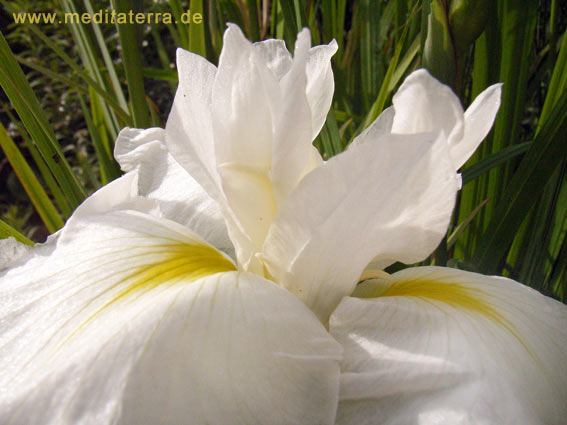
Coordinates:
455 295
183 263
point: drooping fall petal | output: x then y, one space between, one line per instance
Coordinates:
433 345
134 319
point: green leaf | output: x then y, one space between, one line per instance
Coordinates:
197 31
132 58
494 160
107 59
108 167
27 106
252 7
439 52
162 74
31 185
89 57
536 168
558 83
463 225
292 26
100 90
47 176
330 137
388 83
6 231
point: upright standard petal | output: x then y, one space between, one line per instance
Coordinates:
189 128
390 198
133 319
307 91
439 346
245 98
320 82
293 127
266 109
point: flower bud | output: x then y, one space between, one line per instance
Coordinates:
438 51
467 19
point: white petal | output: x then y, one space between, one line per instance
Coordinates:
320 84
423 104
244 96
124 323
134 145
390 198
381 127
275 55
253 207
161 178
479 118
189 128
293 127
306 85
119 194
439 346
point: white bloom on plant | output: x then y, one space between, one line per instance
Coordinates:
216 281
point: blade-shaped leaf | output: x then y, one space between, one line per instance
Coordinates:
27 106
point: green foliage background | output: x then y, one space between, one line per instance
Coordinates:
69 89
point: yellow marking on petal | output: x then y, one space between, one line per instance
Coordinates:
180 263
456 295
183 262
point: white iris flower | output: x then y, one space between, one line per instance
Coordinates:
216 281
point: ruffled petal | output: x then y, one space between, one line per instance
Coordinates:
161 178
391 198
439 346
133 319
